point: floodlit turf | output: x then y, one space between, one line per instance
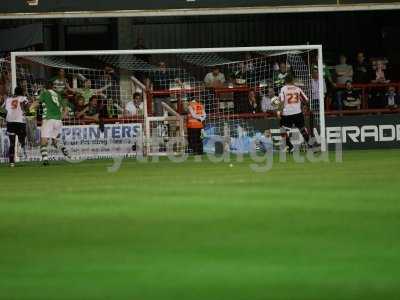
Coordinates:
202 230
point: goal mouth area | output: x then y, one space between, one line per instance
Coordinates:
246 70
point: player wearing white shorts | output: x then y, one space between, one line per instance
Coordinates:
54 110
292 98
15 107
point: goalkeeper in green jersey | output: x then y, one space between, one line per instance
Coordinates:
54 110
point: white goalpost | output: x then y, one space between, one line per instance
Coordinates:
164 82
170 116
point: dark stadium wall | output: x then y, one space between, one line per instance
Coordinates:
328 29
104 5
348 32
19 6
338 32
71 34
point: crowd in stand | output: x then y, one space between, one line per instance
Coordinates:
347 81
343 88
346 86
86 102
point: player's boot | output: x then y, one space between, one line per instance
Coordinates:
12 165
46 162
289 149
290 145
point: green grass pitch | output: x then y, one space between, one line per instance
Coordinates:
197 231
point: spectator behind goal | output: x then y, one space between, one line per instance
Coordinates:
361 69
160 80
281 74
392 98
134 107
215 78
88 92
60 84
251 104
3 93
140 45
112 93
91 111
79 106
266 105
315 102
5 84
344 71
350 98
379 71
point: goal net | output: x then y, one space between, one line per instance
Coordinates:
135 102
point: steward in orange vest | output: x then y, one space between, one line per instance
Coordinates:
195 119
196 115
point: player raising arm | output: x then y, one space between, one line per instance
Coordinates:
87 91
54 110
292 115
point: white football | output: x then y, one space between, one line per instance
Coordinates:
275 101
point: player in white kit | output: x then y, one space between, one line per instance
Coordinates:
15 107
292 98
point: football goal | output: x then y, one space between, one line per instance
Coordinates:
130 102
